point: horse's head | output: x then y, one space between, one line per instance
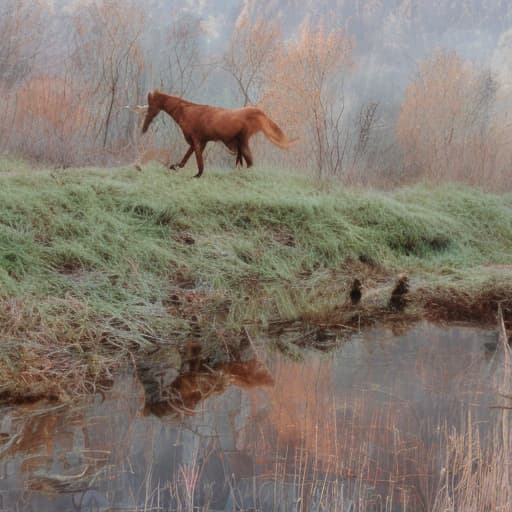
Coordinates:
152 111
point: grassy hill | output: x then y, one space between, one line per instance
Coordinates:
97 264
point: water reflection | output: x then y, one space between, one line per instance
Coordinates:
367 427
181 396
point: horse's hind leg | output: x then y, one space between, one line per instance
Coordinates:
234 147
239 161
246 153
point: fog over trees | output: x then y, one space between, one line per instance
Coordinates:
378 91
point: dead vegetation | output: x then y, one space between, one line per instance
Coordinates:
75 352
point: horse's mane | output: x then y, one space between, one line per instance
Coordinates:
164 96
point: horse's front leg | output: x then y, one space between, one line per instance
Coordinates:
199 148
188 154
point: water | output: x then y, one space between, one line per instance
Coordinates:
364 427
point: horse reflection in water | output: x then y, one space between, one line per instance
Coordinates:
80 453
188 389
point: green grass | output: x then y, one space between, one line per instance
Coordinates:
116 235
95 254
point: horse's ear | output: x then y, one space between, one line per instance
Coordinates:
150 97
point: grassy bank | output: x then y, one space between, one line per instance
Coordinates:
96 264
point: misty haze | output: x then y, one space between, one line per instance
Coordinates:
379 92
255 255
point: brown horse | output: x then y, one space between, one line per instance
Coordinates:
203 123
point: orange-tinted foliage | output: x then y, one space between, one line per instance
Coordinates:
442 126
306 84
53 102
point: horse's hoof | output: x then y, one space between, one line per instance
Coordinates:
173 167
197 175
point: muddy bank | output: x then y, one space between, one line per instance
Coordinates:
387 297
397 301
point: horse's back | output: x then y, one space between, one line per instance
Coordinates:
217 123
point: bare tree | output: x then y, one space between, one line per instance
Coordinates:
184 71
108 54
21 37
365 125
251 54
443 125
305 92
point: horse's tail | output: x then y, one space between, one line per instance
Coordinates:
273 133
